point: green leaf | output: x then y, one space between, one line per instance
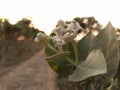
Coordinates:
106 41
58 56
84 46
58 62
48 51
72 53
93 65
112 60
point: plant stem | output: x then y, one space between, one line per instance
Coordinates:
75 51
70 61
56 51
52 48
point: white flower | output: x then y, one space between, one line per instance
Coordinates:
65 33
58 41
73 27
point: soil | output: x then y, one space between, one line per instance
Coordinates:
22 65
33 74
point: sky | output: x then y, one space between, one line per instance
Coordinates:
45 13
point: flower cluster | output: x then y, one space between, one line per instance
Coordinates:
65 33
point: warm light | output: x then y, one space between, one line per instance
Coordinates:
21 38
46 13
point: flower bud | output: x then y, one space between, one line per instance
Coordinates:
41 37
36 40
68 37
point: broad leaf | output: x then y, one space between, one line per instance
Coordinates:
93 65
58 56
106 41
58 62
112 60
48 51
84 46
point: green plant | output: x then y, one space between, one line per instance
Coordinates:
91 62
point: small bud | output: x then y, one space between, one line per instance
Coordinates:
41 37
36 40
61 23
68 37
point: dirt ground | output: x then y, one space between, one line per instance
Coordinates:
33 74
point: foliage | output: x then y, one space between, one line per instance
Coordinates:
88 23
26 29
16 39
22 27
89 60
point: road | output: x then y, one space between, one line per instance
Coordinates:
34 74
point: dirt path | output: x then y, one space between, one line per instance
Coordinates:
34 74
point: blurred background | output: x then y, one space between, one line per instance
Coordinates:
21 20
44 14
